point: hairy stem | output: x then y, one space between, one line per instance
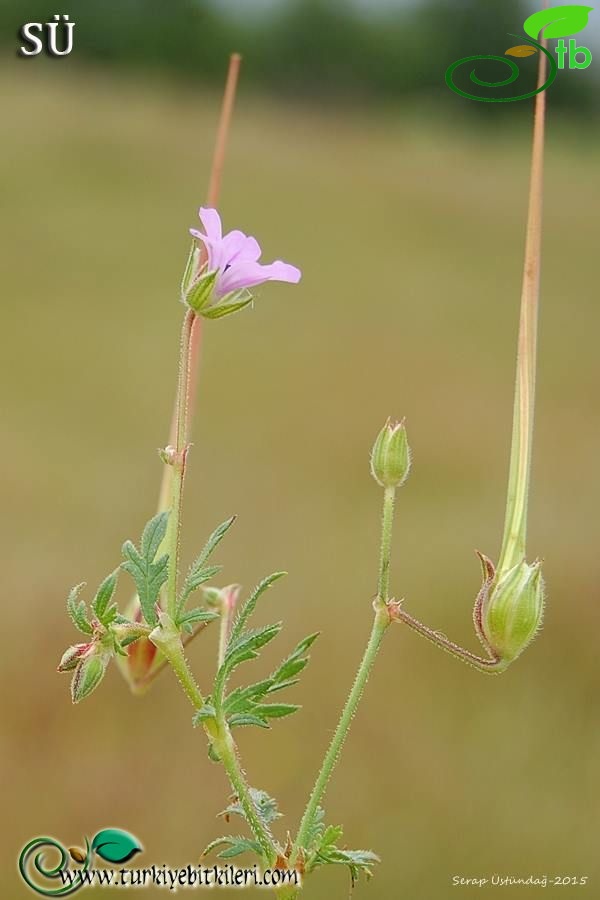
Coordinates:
436 637
166 637
227 752
515 526
383 589
168 640
380 625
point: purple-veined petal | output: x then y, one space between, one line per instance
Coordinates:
246 274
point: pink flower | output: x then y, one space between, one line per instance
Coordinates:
234 258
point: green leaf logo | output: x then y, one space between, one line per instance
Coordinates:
115 845
557 22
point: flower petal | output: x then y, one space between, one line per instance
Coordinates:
211 220
211 247
247 273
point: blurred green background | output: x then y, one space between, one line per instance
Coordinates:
407 219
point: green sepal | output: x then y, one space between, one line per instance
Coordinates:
199 293
228 308
191 267
88 675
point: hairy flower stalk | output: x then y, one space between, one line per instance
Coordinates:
143 663
390 464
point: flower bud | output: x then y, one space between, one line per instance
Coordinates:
71 657
512 613
222 598
89 672
390 457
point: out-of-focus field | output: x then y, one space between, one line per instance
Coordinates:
410 237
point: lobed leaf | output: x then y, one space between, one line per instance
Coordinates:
194 616
235 846
153 535
250 605
246 702
358 861
322 849
78 611
266 807
101 605
199 573
149 574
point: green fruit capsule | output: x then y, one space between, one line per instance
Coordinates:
512 614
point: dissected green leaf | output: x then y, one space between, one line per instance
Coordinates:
315 830
149 574
199 573
78 611
246 706
296 661
275 710
266 807
358 861
322 849
235 846
153 535
240 719
101 605
250 605
194 616
194 580
206 711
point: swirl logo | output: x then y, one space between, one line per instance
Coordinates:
557 22
56 879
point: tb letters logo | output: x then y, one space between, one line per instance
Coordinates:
558 22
